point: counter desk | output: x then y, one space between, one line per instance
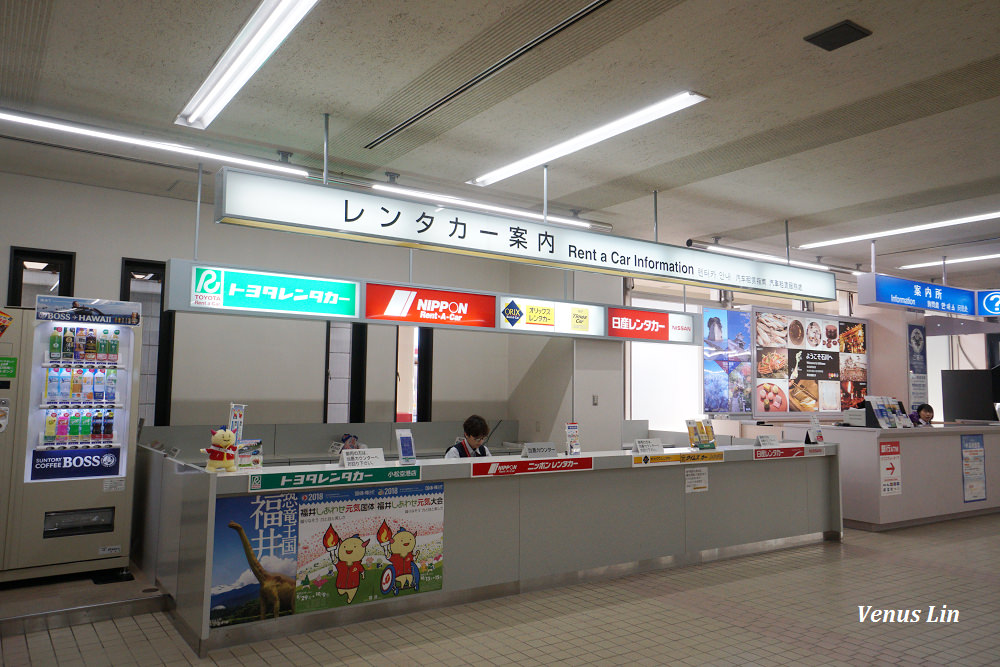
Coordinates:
484 528
899 477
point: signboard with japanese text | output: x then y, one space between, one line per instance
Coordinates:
292 553
881 290
531 466
973 468
361 545
771 453
890 475
197 287
680 458
529 315
653 325
8 367
269 481
388 214
428 306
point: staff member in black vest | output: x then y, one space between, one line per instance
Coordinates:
474 442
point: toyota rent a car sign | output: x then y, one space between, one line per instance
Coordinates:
399 303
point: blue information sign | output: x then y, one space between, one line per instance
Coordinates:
75 463
988 303
875 288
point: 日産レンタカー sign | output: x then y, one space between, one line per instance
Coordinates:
221 288
387 214
270 481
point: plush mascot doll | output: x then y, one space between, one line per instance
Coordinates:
222 451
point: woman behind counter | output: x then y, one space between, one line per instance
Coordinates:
474 442
923 415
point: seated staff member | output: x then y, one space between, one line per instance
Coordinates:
923 415
474 442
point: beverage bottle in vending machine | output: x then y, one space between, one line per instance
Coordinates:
97 426
88 383
90 346
102 346
109 425
69 344
99 383
86 425
65 382
50 426
111 385
62 426
80 351
113 347
76 385
55 344
52 384
74 425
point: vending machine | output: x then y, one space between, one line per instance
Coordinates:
67 449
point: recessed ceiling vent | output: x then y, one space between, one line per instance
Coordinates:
838 35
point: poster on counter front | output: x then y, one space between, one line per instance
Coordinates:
254 558
362 544
890 475
291 553
973 468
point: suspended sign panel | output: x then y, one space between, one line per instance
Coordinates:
366 214
650 325
400 303
881 290
551 317
193 286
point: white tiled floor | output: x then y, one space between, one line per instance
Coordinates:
794 607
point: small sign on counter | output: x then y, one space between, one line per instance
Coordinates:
539 450
647 446
695 480
362 458
889 460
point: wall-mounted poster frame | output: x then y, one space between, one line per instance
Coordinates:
807 363
726 371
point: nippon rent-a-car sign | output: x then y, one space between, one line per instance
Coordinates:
399 303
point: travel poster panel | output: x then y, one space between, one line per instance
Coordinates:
727 382
254 558
362 544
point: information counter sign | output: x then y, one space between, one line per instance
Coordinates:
531 466
275 481
881 290
772 453
988 303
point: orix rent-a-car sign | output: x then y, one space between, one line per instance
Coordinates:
400 303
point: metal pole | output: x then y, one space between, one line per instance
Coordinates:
944 269
326 148
873 256
656 219
788 246
545 194
197 215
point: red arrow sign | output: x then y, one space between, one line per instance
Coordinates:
891 469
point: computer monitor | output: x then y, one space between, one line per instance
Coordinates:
968 394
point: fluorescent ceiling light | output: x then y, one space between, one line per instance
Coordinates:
60 126
35 266
259 38
924 265
443 200
903 230
614 128
768 258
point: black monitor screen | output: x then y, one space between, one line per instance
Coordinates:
968 395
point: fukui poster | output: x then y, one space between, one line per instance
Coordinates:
254 558
727 376
371 543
